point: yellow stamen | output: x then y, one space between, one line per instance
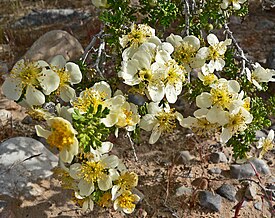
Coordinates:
62 135
105 200
167 121
91 171
127 181
126 200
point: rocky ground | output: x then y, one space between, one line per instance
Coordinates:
179 176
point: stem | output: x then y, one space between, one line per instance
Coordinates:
132 145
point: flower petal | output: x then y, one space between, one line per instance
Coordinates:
67 93
12 88
85 188
105 183
75 74
34 96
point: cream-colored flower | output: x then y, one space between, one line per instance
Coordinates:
186 51
94 171
266 143
62 136
32 78
126 202
260 75
69 74
207 78
126 181
235 3
94 96
199 124
159 120
139 34
122 114
237 123
214 53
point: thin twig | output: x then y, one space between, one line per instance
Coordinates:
99 57
90 46
187 15
132 145
239 49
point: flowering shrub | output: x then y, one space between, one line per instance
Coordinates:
192 63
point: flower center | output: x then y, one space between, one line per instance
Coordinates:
214 54
89 97
145 75
29 74
175 73
236 122
64 77
139 35
91 171
184 53
127 180
126 201
167 121
62 136
209 79
221 97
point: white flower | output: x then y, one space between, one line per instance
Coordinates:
237 123
235 3
214 52
30 78
69 74
126 181
185 51
62 136
90 172
259 75
126 202
95 96
139 34
159 120
122 113
266 143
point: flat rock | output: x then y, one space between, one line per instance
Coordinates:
260 165
52 43
218 157
251 192
227 191
243 171
50 16
23 160
210 201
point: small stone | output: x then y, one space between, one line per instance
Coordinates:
23 160
52 43
215 170
251 192
183 191
184 157
5 116
258 205
260 165
218 157
243 171
227 191
136 99
270 61
27 120
210 201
